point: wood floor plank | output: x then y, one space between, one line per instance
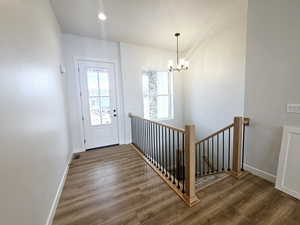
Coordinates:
114 186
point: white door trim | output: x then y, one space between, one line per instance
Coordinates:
283 161
119 94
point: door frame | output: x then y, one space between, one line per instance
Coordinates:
119 94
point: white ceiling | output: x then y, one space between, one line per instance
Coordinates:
144 22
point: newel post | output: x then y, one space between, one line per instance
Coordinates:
237 145
190 172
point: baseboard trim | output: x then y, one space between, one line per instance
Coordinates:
79 150
58 194
260 173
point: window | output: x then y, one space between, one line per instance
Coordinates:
158 95
99 97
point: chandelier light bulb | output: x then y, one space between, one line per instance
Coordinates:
102 16
187 64
182 62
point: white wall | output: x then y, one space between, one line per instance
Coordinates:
214 85
135 59
130 61
77 47
272 77
33 136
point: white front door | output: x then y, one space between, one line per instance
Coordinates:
98 96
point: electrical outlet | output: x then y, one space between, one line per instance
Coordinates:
293 108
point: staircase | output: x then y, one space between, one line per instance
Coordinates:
179 160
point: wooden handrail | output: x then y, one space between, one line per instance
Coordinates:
238 127
158 123
214 134
246 123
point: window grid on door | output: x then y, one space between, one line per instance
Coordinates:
99 97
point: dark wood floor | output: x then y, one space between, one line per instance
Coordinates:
114 186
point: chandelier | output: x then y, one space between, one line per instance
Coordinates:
181 65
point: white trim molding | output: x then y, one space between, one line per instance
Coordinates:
260 173
58 193
288 169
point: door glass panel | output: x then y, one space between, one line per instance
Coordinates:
95 111
105 102
106 119
99 97
105 110
104 84
93 84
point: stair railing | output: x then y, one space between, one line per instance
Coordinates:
223 151
175 156
170 151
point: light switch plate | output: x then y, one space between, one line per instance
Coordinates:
293 108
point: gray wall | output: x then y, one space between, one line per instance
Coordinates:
34 142
214 84
272 77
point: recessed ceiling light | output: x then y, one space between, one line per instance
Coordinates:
102 16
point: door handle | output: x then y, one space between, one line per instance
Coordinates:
115 114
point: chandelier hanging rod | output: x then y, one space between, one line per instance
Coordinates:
181 64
